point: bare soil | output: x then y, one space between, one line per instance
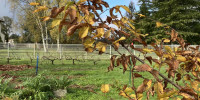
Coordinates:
15 67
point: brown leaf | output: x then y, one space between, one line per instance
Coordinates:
174 35
119 61
133 60
149 58
72 14
73 28
178 77
136 75
181 41
55 11
190 93
109 19
116 45
89 49
111 13
156 61
144 86
112 62
165 84
105 4
143 67
124 63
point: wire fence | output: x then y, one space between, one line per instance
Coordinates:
62 51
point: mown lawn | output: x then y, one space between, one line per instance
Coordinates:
86 78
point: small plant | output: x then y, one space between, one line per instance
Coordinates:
6 89
41 87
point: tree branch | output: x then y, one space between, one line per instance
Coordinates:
177 86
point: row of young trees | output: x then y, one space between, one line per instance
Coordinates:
182 15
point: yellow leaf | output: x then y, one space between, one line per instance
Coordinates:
122 38
187 96
105 88
126 8
131 26
46 18
55 22
144 35
40 8
168 94
128 90
80 18
158 88
181 58
103 49
148 85
123 94
133 96
100 32
88 42
89 49
124 19
101 46
80 1
167 56
168 49
83 32
198 59
194 85
158 24
34 4
69 4
139 96
166 40
148 50
90 18
141 15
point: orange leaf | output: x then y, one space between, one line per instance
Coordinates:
143 67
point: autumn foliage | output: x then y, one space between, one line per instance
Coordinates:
182 62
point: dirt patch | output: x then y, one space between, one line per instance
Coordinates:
15 67
6 76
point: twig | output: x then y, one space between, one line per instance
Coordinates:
177 86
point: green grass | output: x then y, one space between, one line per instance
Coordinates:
84 74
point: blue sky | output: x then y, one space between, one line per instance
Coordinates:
5 11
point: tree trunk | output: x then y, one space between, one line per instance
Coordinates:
58 45
46 35
43 42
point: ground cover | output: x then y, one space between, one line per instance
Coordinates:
84 77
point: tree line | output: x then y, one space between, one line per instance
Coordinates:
182 15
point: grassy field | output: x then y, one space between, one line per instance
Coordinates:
84 77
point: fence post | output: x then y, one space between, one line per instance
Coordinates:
110 51
8 49
8 53
60 47
34 50
37 64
